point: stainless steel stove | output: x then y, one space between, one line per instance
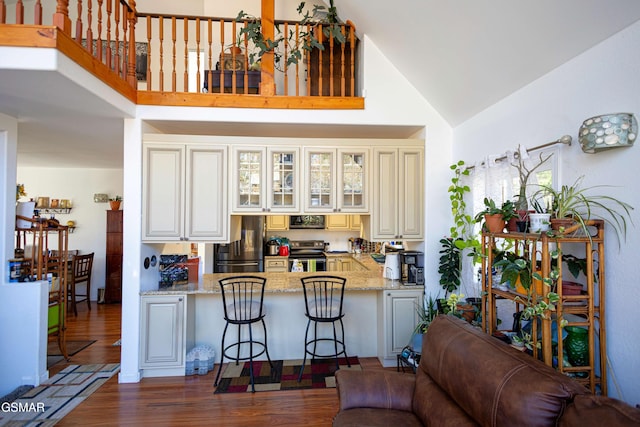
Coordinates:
310 253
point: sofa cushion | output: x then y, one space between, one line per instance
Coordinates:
492 382
367 417
597 411
434 408
374 389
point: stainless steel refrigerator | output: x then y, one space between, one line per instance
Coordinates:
244 255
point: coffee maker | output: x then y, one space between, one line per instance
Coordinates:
412 263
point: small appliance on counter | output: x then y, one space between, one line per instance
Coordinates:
392 268
273 247
412 267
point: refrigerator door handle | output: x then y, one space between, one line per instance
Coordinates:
240 264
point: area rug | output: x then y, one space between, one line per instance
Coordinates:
318 373
73 347
49 402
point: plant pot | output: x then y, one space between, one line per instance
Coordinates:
571 288
467 312
512 225
561 224
577 345
539 222
115 204
494 223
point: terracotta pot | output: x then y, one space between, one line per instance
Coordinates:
115 204
512 224
571 288
467 311
494 223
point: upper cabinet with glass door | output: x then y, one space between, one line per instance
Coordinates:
265 179
336 180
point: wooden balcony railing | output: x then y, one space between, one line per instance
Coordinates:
161 59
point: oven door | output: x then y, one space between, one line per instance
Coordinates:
310 264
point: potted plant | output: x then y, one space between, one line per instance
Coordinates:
115 202
577 205
539 220
493 216
524 173
449 268
427 311
293 44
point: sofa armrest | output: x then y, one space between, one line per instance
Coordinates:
375 389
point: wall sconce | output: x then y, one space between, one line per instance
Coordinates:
608 131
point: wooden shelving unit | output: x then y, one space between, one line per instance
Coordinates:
585 310
40 262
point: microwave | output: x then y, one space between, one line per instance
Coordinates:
307 221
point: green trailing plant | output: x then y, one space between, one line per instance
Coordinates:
462 232
296 44
514 269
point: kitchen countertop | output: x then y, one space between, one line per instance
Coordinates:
369 279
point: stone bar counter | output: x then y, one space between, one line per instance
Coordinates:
380 314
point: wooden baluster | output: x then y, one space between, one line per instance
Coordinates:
197 55
161 54
124 46
352 33
89 30
37 13
221 60
116 57
79 26
246 62
109 17
61 17
3 12
307 55
99 37
298 63
285 66
19 12
233 58
186 54
173 54
209 75
131 66
267 83
320 55
149 83
342 58
331 64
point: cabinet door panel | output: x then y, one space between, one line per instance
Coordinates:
206 193
320 177
411 193
386 191
353 180
163 323
163 196
283 179
249 179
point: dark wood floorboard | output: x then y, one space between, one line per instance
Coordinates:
174 401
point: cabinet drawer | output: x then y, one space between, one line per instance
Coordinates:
275 263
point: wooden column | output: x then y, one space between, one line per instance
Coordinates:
267 83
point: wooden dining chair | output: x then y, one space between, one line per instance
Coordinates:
81 266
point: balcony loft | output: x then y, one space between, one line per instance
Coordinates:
178 60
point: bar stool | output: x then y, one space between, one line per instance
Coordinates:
242 299
323 298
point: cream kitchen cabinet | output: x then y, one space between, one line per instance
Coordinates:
277 222
336 180
276 264
184 192
343 222
167 331
397 317
265 179
398 199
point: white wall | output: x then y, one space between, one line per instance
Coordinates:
601 80
79 186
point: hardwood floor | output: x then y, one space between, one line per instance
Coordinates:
181 400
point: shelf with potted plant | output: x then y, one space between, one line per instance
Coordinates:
534 266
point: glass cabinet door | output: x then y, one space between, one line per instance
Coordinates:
320 176
283 179
249 182
352 181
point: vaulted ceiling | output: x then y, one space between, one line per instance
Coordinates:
461 55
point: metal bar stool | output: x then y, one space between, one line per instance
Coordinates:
242 299
323 298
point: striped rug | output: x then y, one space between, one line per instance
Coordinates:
49 402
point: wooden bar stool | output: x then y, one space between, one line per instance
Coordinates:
323 298
242 299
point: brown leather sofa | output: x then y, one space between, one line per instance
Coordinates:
468 378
